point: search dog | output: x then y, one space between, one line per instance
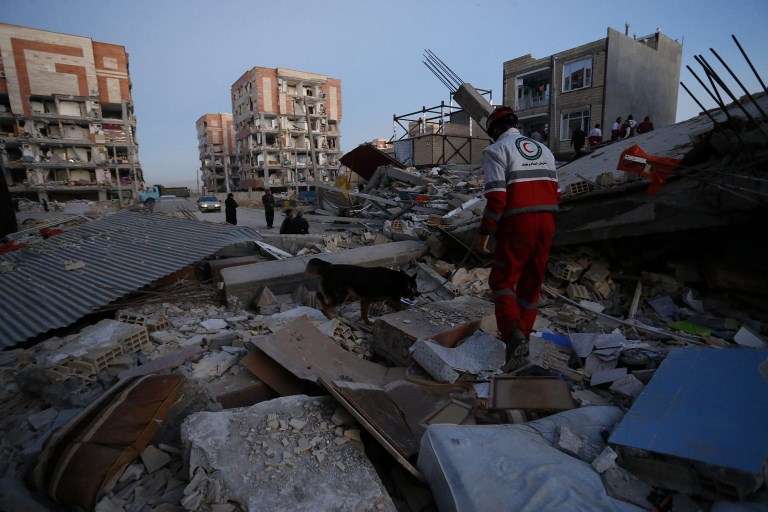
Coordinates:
339 283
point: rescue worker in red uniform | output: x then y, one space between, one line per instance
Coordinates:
522 198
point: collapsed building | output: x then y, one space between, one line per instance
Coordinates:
287 127
594 83
67 121
216 146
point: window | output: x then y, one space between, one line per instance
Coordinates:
572 120
577 74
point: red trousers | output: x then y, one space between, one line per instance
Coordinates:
522 250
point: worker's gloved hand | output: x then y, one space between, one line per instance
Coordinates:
482 243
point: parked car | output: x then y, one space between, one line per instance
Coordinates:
209 204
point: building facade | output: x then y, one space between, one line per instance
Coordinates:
67 126
594 84
287 127
216 145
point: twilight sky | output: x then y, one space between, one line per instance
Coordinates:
184 55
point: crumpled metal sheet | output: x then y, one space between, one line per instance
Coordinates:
122 253
79 460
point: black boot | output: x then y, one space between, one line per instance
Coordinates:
517 351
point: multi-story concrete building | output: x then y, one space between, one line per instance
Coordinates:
286 127
594 83
67 128
216 144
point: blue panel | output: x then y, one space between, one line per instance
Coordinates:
558 339
706 405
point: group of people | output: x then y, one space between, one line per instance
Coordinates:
621 129
293 224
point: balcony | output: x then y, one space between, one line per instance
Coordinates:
527 102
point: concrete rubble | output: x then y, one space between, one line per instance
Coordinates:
284 454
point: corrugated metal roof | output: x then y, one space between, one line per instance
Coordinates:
122 253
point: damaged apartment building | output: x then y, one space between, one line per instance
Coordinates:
594 83
216 144
67 127
287 127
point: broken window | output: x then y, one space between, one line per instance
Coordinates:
270 139
5 103
577 74
308 91
14 154
572 120
111 111
7 126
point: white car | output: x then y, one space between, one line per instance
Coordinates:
209 204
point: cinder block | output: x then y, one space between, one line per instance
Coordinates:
577 292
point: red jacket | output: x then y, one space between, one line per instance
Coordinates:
520 177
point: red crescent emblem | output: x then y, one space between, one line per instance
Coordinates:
525 147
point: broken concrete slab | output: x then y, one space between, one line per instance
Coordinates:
213 365
605 461
605 376
243 282
216 266
629 385
214 324
237 456
478 354
747 338
162 363
396 332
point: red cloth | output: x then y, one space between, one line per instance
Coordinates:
522 250
655 169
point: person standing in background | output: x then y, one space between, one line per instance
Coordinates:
595 135
230 209
616 129
578 137
269 207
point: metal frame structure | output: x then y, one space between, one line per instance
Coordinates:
436 115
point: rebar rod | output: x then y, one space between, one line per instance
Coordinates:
714 122
746 57
727 90
736 78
